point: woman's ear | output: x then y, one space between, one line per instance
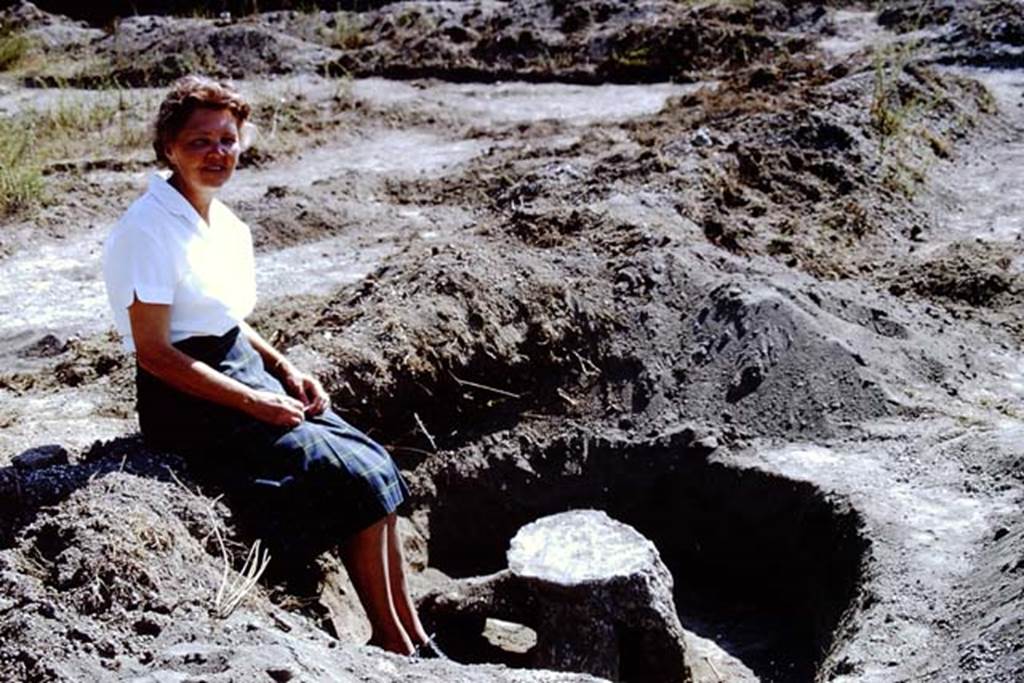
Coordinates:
169 156
247 135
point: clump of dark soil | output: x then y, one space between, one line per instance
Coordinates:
52 363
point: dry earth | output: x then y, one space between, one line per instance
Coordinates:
747 276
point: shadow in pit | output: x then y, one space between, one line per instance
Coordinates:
765 566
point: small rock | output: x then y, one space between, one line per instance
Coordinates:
106 648
40 457
709 442
45 347
147 627
1000 533
702 138
281 675
80 635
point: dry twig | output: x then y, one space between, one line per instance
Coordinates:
423 428
484 387
567 398
713 668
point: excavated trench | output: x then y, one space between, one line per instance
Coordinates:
765 566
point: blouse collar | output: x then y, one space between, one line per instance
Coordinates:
172 200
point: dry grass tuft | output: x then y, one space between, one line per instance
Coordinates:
233 590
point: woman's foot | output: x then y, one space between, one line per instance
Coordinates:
398 646
429 650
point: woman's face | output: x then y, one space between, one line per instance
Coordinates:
205 151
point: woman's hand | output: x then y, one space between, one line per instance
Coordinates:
307 389
302 387
276 409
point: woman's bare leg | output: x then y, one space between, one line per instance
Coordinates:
403 604
366 557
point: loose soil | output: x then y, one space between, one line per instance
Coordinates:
747 277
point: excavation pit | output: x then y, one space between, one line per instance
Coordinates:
765 566
594 589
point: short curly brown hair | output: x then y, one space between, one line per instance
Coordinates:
188 94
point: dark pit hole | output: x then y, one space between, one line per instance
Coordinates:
491 640
763 565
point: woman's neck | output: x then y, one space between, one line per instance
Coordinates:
199 199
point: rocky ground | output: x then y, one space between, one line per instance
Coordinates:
746 276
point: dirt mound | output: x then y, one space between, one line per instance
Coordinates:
593 41
107 12
988 650
971 273
463 332
793 152
537 40
118 578
45 31
977 32
156 50
580 298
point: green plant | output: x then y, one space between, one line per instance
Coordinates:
345 32
635 57
409 18
889 107
21 178
73 127
13 48
902 177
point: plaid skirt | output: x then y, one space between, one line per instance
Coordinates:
304 487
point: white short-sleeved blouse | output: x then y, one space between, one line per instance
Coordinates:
163 252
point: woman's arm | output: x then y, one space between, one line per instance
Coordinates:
298 384
151 332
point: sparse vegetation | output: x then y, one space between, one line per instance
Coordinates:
890 105
21 180
75 127
344 32
902 98
14 46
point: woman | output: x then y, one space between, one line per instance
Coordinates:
180 280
